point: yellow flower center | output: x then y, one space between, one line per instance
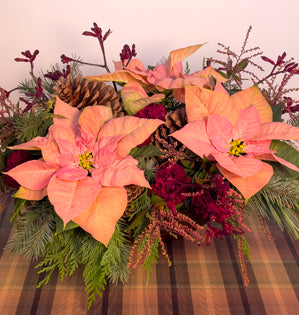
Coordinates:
237 148
85 160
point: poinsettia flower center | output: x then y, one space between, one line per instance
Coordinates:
85 160
237 148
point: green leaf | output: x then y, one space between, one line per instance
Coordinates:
224 74
60 225
242 65
277 111
237 78
145 151
138 220
156 200
288 153
19 204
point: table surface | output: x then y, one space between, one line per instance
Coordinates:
202 280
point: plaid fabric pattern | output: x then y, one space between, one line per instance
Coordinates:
202 280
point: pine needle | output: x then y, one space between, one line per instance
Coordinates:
279 201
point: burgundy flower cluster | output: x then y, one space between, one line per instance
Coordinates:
172 185
217 204
29 56
151 111
14 159
127 54
55 75
66 59
280 62
220 204
38 94
97 32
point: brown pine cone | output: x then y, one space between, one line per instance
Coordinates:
133 191
80 92
174 120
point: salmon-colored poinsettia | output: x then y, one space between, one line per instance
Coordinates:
85 166
167 76
236 132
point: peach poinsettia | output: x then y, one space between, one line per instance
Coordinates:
85 166
167 76
236 132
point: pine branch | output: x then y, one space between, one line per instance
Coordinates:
35 229
31 125
26 86
116 258
294 122
279 201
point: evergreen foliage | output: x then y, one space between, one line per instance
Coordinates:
279 201
170 102
92 253
48 84
31 125
26 86
151 257
39 234
34 230
62 253
101 263
141 205
146 163
148 167
116 257
295 120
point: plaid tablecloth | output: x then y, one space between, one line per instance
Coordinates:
205 280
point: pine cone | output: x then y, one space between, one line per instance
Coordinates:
133 191
174 120
80 92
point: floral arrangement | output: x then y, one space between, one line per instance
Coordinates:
102 176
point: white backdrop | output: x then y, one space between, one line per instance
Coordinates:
156 27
